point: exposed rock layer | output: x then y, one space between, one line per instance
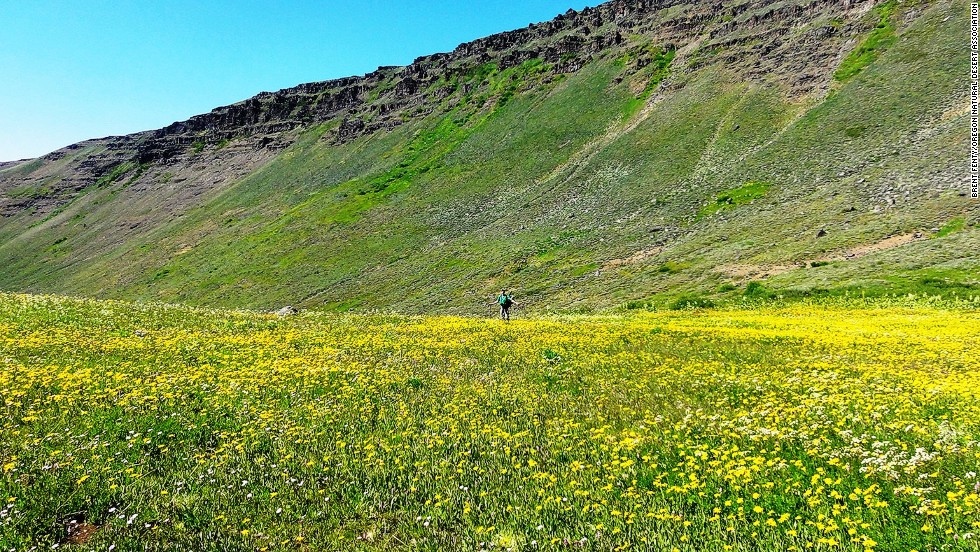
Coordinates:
794 43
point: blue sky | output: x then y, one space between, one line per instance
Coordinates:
71 70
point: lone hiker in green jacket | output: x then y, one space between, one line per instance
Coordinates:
506 301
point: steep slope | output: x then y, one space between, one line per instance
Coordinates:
609 156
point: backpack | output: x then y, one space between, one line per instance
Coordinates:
506 301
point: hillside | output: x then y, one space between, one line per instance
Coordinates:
633 152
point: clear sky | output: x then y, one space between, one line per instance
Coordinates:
72 70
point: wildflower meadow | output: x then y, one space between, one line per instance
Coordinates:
780 427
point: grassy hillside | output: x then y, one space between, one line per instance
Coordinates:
155 427
618 184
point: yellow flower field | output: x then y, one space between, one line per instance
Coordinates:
801 427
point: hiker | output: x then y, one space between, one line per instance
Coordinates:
506 301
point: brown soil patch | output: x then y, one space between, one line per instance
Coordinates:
77 529
742 271
635 258
887 243
954 112
81 533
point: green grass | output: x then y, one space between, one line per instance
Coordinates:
672 267
157 427
756 290
25 169
116 173
31 191
730 199
686 302
509 82
655 73
881 38
954 225
423 154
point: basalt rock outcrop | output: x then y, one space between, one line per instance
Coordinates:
763 39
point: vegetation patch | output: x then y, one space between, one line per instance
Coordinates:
656 71
672 267
140 169
880 39
729 199
31 191
691 302
25 169
507 83
583 270
953 226
423 154
638 305
115 174
756 290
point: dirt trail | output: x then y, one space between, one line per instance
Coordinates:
635 258
762 271
887 243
